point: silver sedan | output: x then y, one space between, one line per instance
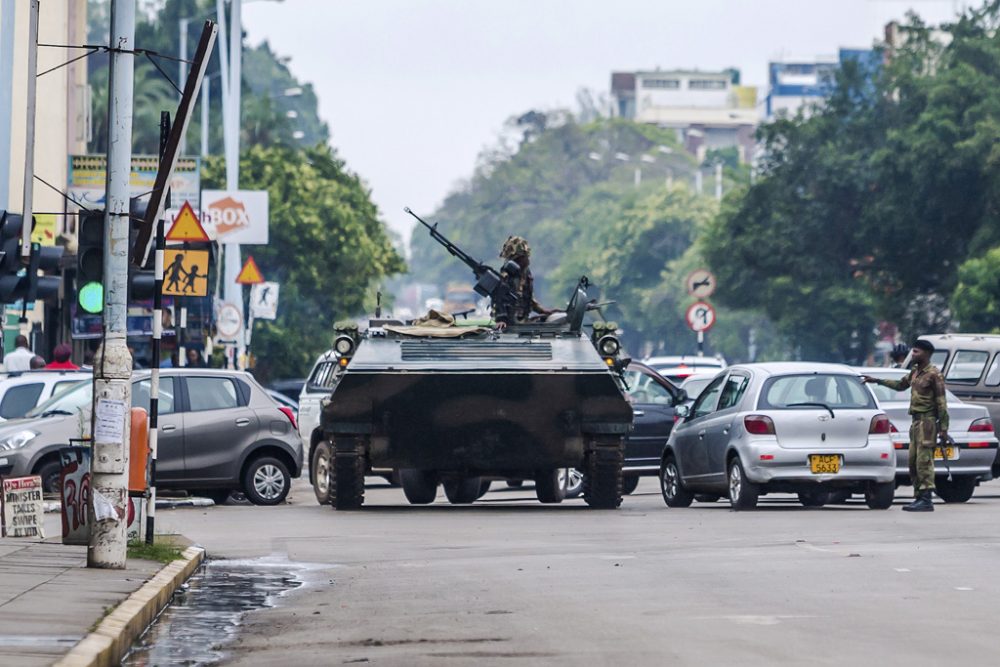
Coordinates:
969 460
793 427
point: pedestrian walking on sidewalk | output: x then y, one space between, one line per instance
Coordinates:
20 358
60 359
929 411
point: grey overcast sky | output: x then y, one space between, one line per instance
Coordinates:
413 90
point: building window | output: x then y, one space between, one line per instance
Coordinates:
669 84
707 84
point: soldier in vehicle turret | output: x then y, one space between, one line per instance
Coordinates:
521 284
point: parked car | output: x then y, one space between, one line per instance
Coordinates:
290 388
791 427
971 429
281 399
971 367
677 368
22 391
219 432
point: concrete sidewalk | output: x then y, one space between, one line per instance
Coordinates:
49 600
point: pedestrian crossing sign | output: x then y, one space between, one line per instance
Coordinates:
186 226
185 272
250 274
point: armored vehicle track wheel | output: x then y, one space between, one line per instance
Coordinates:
462 491
347 475
419 486
602 483
549 486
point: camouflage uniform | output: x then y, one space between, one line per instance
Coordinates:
523 285
929 410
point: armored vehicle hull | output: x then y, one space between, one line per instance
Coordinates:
459 411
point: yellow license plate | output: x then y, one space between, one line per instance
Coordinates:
824 464
941 452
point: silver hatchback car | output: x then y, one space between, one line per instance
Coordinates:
801 428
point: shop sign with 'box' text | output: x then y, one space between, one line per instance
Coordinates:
235 216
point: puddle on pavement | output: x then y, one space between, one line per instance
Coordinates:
206 615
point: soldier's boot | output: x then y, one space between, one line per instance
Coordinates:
923 503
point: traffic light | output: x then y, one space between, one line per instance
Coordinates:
141 283
11 288
90 262
46 259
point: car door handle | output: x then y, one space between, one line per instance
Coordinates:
701 433
638 413
242 421
167 428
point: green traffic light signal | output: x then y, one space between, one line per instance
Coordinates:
91 297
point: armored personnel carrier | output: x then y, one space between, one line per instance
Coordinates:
457 405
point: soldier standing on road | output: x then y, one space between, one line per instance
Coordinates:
516 248
929 410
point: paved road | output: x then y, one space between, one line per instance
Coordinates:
508 581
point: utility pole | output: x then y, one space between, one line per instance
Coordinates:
111 415
6 93
29 134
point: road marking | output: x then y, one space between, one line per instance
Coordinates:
963 588
902 569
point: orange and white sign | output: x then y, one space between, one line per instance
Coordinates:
235 216
186 226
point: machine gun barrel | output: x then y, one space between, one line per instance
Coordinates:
472 263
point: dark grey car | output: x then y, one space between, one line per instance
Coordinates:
219 432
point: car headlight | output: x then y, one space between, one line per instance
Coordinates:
343 345
608 346
16 440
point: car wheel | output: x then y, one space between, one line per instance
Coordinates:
515 483
419 486
879 496
671 486
814 498
50 474
266 481
320 469
484 488
462 491
743 493
571 481
958 490
549 486
630 484
706 497
217 496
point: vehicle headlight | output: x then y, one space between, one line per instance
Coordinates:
608 346
343 345
16 440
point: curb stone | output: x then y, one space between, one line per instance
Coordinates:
115 634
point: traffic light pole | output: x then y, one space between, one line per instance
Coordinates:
111 415
29 134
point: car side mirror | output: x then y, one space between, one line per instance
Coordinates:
682 411
680 397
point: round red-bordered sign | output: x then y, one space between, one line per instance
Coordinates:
700 316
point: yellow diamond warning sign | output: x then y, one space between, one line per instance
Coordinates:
250 274
186 226
185 272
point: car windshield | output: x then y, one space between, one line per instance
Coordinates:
68 401
885 394
815 391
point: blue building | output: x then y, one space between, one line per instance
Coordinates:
798 84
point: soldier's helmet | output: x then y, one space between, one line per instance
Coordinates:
515 246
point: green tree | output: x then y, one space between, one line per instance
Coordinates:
328 249
976 301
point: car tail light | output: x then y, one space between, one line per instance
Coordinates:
980 445
880 425
758 425
892 427
767 457
901 445
288 412
980 425
885 455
